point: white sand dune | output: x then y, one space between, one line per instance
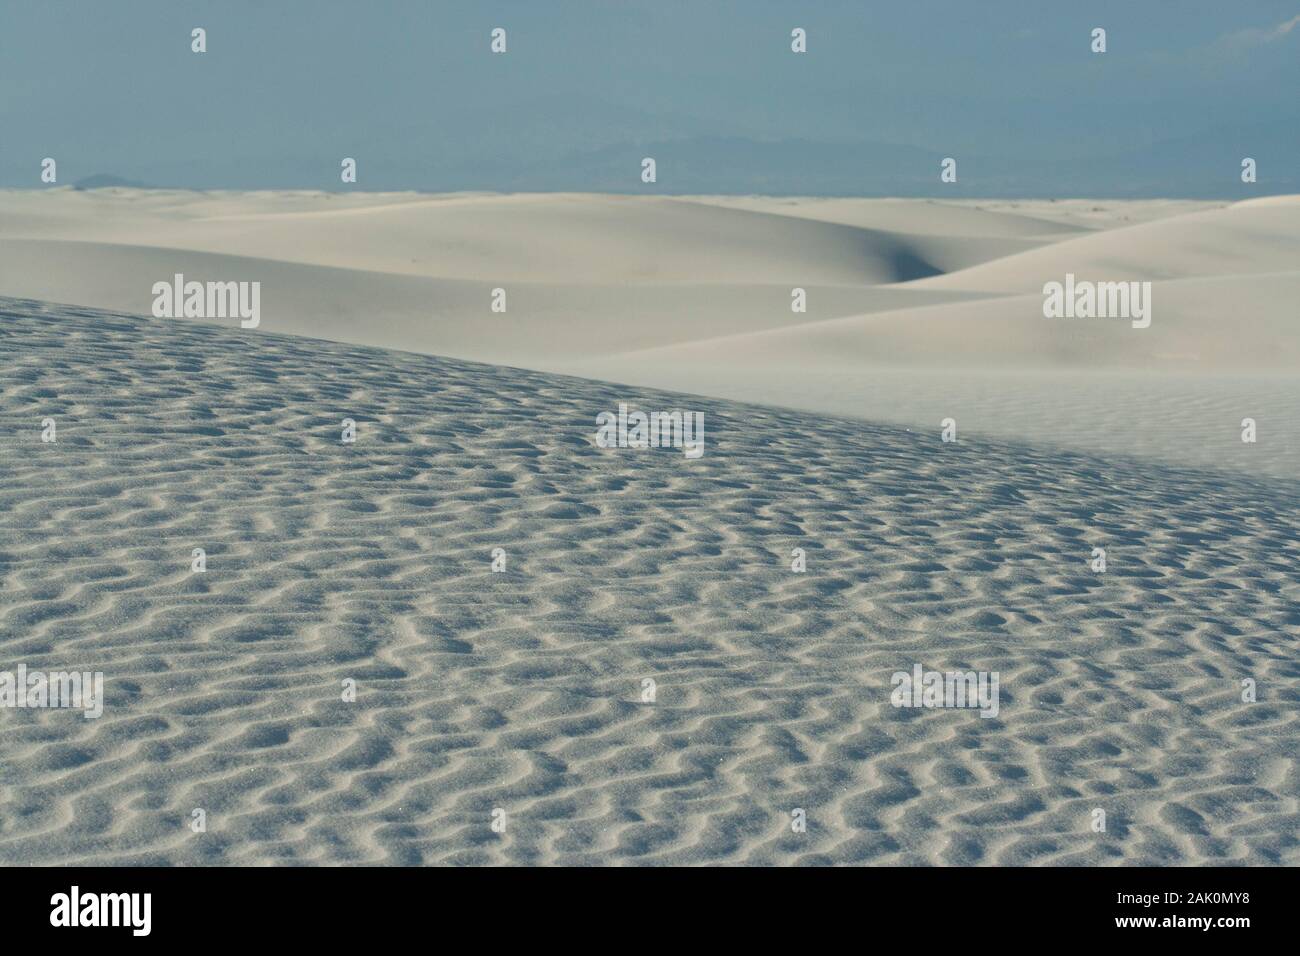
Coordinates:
916 310
1220 350
1246 238
544 321
1196 331
981 218
526 238
521 691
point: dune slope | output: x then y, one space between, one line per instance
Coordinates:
1247 238
521 691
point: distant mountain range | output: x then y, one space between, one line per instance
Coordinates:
106 180
533 154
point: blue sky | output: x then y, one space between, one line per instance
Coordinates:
287 88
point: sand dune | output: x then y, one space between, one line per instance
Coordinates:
544 321
1209 324
1246 238
982 218
914 307
1219 350
528 238
521 691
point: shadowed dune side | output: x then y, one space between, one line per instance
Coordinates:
521 690
553 238
544 321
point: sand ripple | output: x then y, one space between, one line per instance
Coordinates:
521 690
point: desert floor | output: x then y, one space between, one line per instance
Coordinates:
521 691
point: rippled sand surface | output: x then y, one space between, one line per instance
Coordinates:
521 691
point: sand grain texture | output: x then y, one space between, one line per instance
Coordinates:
520 690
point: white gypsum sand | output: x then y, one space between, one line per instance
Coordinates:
521 690
917 310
